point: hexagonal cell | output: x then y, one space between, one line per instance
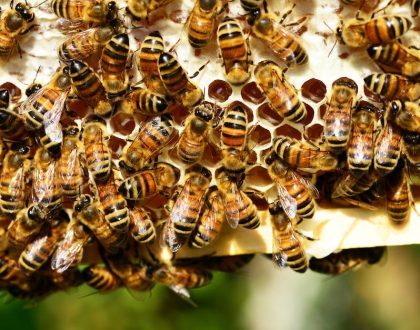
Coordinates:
77 108
219 90
251 93
258 176
259 136
212 156
14 91
179 113
322 110
116 145
314 132
123 123
265 112
258 199
314 90
287 130
309 115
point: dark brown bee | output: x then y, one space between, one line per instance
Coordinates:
281 94
387 150
406 115
11 123
100 278
411 147
348 185
146 102
415 7
251 5
181 278
234 51
398 196
141 9
142 228
11 274
393 87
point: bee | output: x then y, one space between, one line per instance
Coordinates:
142 228
185 206
251 5
411 145
396 58
89 88
146 102
210 221
150 182
398 196
366 6
14 22
239 208
11 124
113 204
296 194
415 7
176 82
198 126
46 190
113 64
302 156
287 248
11 274
98 155
69 167
406 115
100 278
147 59
228 264
202 21
286 46
348 185
361 33
180 278
345 260
338 116
42 247
281 94
234 51
89 213
152 137
13 179
393 87
360 148
141 9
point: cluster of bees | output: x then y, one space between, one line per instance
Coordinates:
52 163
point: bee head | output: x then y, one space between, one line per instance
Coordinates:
82 202
24 12
4 95
34 88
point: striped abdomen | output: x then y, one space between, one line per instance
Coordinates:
201 23
71 9
79 46
142 228
348 185
285 44
148 56
387 151
387 28
337 125
300 193
389 86
146 102
7 43
234 129
98 160
172 74
397 197
70 173
11 124
100 278
139 186
12 190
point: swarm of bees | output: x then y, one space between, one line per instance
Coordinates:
181 175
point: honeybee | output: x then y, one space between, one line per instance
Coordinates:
229 264
398 196
287 248
345 260
239 208
286 46
142 228
145 102
150 182
70 170
42 247
46 190
14 22
13 179
89 88
210 221
393 87
198 127
296 194
100 278
113 66
98 155
348 185
185 207
11 124
365 5
360 149
202 21
281 94
176 82
415 7
113 204
89 213
152 137
412 147
141 9
357 32
251 5
338 116
11 274
396 58
406 115
234 51
299 155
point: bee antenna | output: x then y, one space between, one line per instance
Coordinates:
11 4
329 28
335 43
265 6
37 4
195 74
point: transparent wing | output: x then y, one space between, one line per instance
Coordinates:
52 119
82 43
285 54
282 93
16 181
43 183
288 203
36 246
183 293
67 26
278 256
69 251
71 164
308 184
26 105
233 202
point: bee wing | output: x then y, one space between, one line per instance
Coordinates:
169 237
288 203
285 54
69 250
43 183
308 184
232 206
71 164
278 256
30 100
36 246
183 293
16 181
68 26
52 119
383 143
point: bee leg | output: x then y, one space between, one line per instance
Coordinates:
381 9
195 74
283 18
306 237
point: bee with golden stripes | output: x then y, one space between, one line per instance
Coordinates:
100 278
152 137
393 87
176 81
239 208
89 88
13 179
11 123
300 155
287 247
338 115
234 51
11 274
281 95
382 30
398 196
185 206
150 182
46 190
202 21
406 115
198 129
396 58
145 102
268 28
113 64
296 194
142 228
69 167
89 213
411 145
114 205
141 9
210 221
37 253
348 185
415 7
97 153
147 61
14 22
360 148
251 5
